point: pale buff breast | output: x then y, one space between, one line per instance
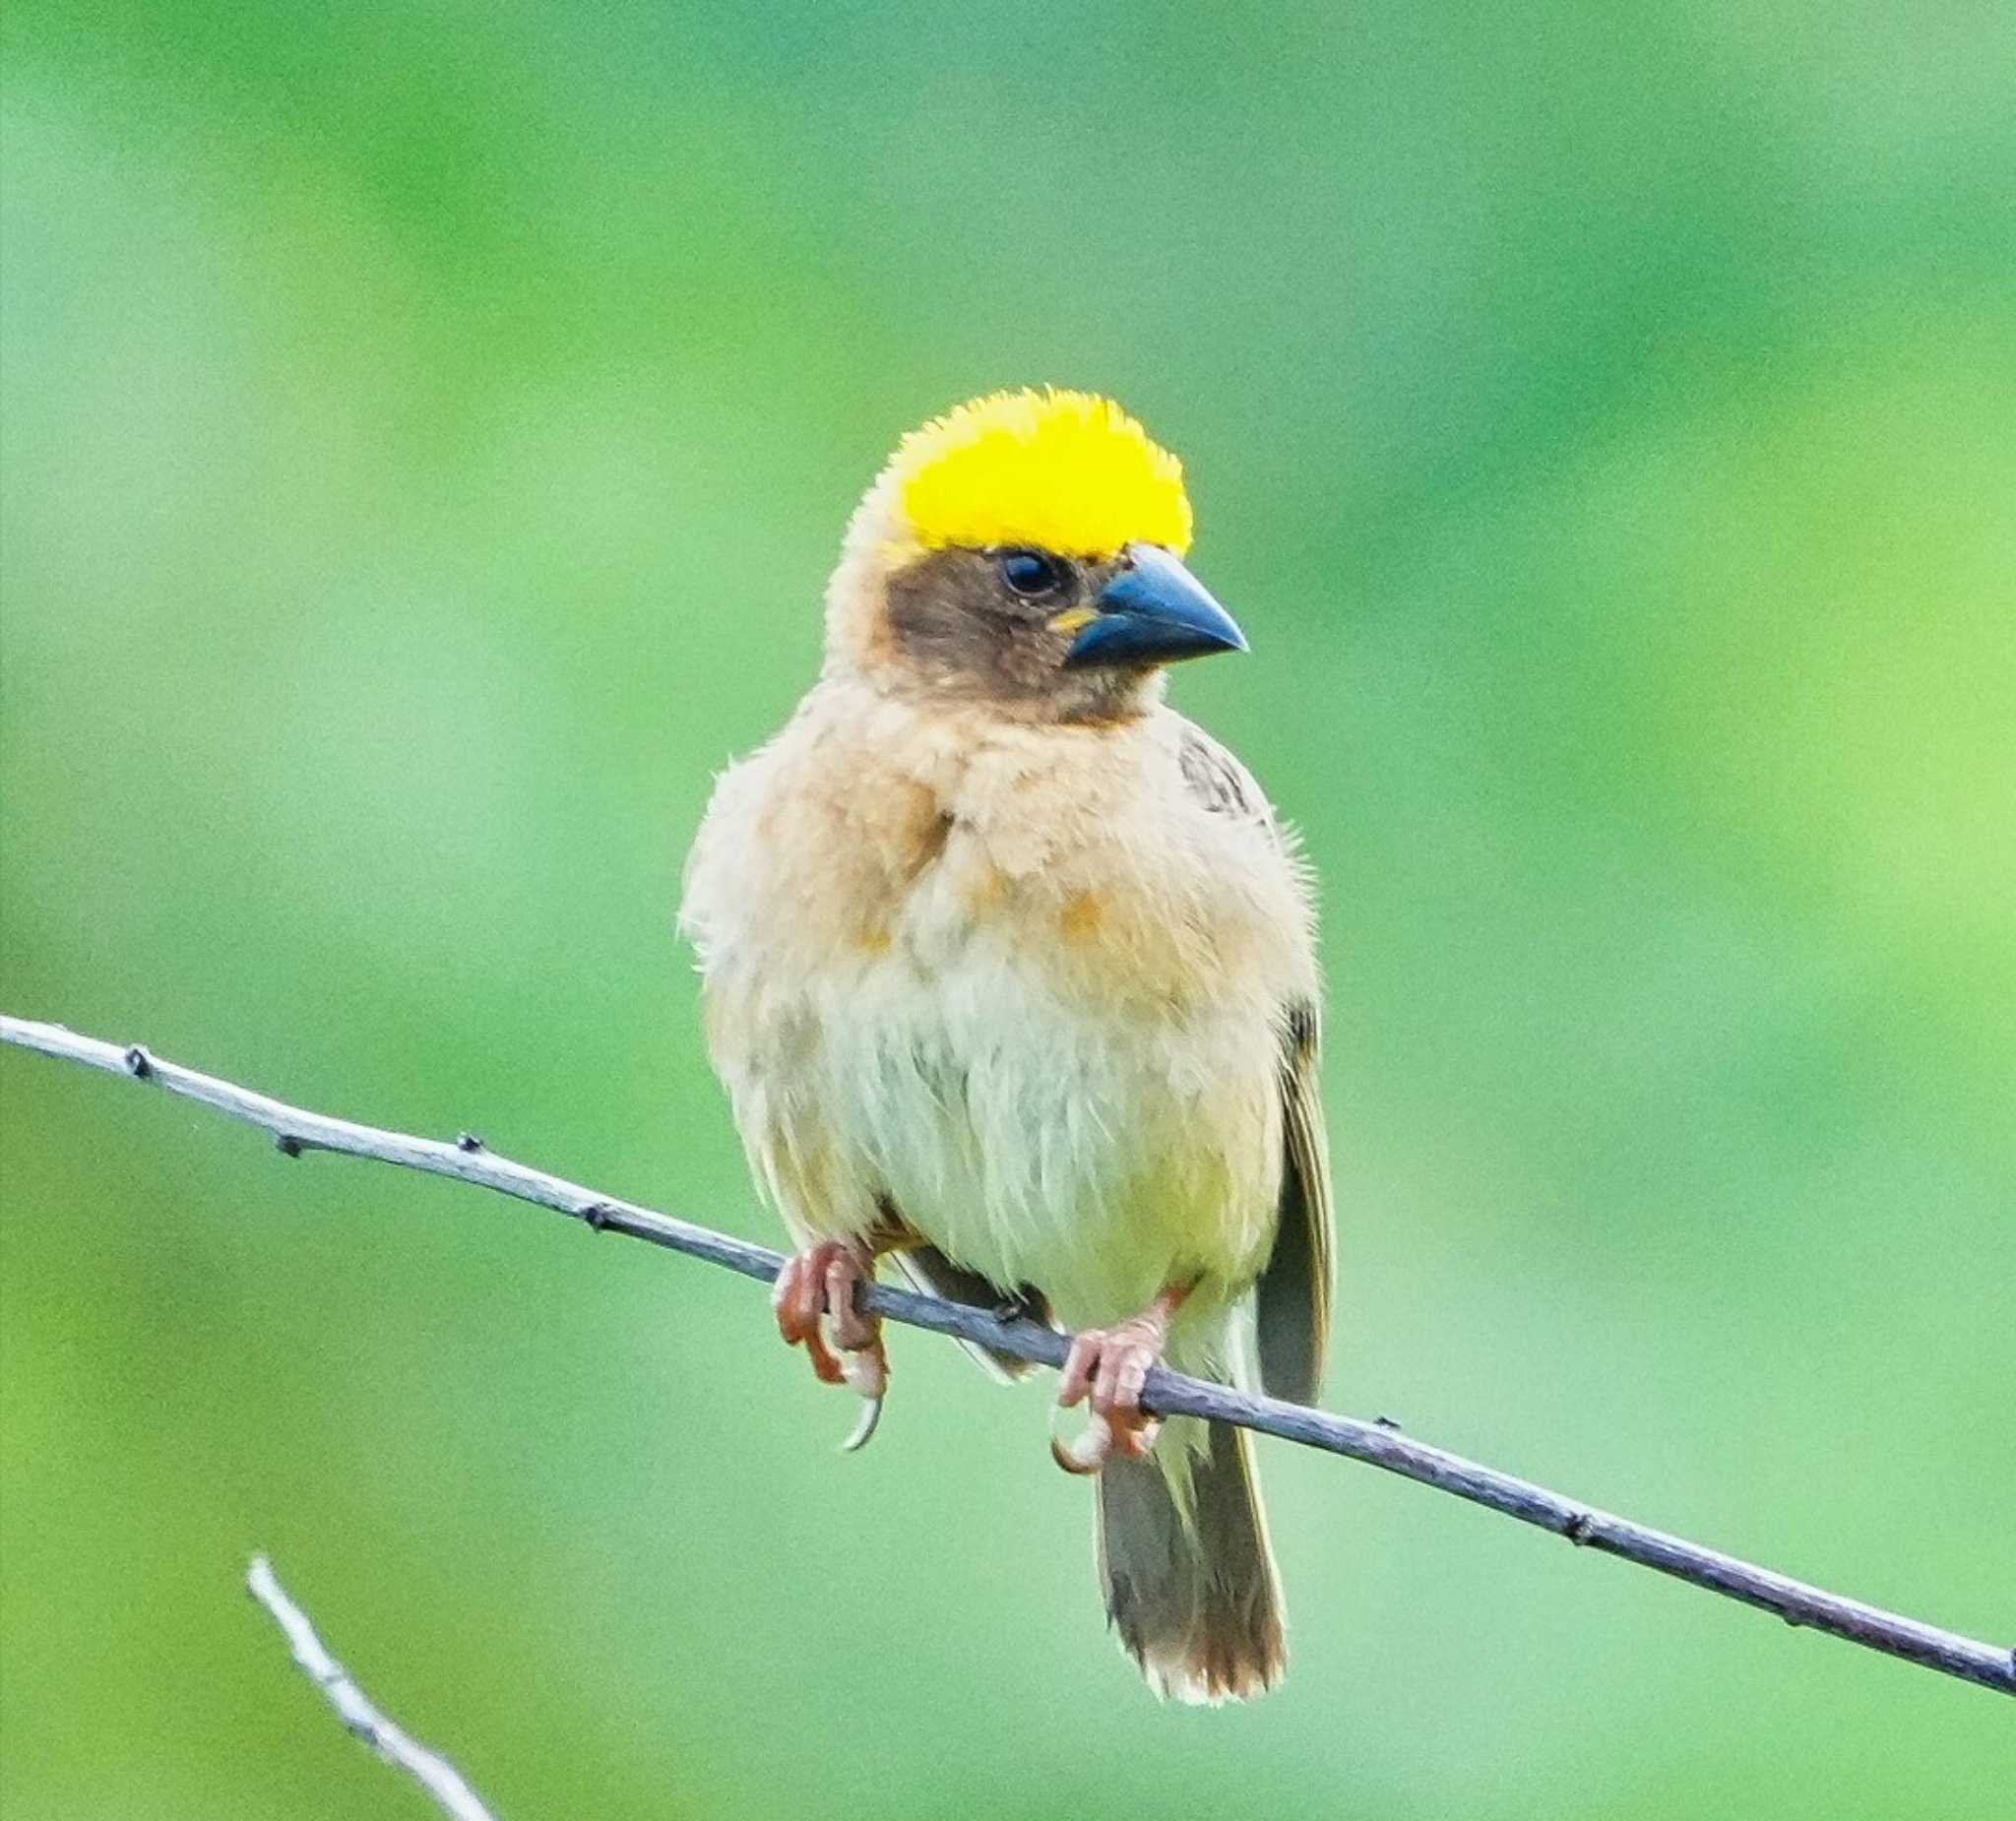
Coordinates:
1019 981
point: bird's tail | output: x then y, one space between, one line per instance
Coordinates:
1192 1591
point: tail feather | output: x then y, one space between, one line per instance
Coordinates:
1192 1593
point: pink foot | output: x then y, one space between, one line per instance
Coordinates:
821 1280
1111 1365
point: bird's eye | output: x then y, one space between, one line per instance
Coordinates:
1031 574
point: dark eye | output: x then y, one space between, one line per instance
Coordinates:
1031 574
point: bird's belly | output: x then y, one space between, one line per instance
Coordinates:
1097 1153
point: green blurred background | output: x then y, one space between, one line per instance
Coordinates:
425 434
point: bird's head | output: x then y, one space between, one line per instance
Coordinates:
1024 551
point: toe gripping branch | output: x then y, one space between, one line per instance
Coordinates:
1109 1367
816 1291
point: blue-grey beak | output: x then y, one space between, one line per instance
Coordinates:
1153 611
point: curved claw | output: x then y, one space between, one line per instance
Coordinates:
867 1373
1087 1453
864 1428
1102 1440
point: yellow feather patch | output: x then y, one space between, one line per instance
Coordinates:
1055 470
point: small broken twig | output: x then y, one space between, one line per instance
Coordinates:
392 1743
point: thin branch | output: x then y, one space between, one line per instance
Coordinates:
433 1772
294 1131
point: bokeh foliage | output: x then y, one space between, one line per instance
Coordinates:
425 431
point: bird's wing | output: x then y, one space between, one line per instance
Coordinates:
1293 1302
1293 1298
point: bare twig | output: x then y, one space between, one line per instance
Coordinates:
294 1131
433 1772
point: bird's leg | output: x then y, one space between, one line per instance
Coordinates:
1111 1365
822 1281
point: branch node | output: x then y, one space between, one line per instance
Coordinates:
597 1215
1387 1423
287 1144
468 1141
1580 1528
139 1064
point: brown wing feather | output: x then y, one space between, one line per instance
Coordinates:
1294 1294
1293 1302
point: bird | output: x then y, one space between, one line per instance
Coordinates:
1009 972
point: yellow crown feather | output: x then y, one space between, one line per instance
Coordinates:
1057 471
